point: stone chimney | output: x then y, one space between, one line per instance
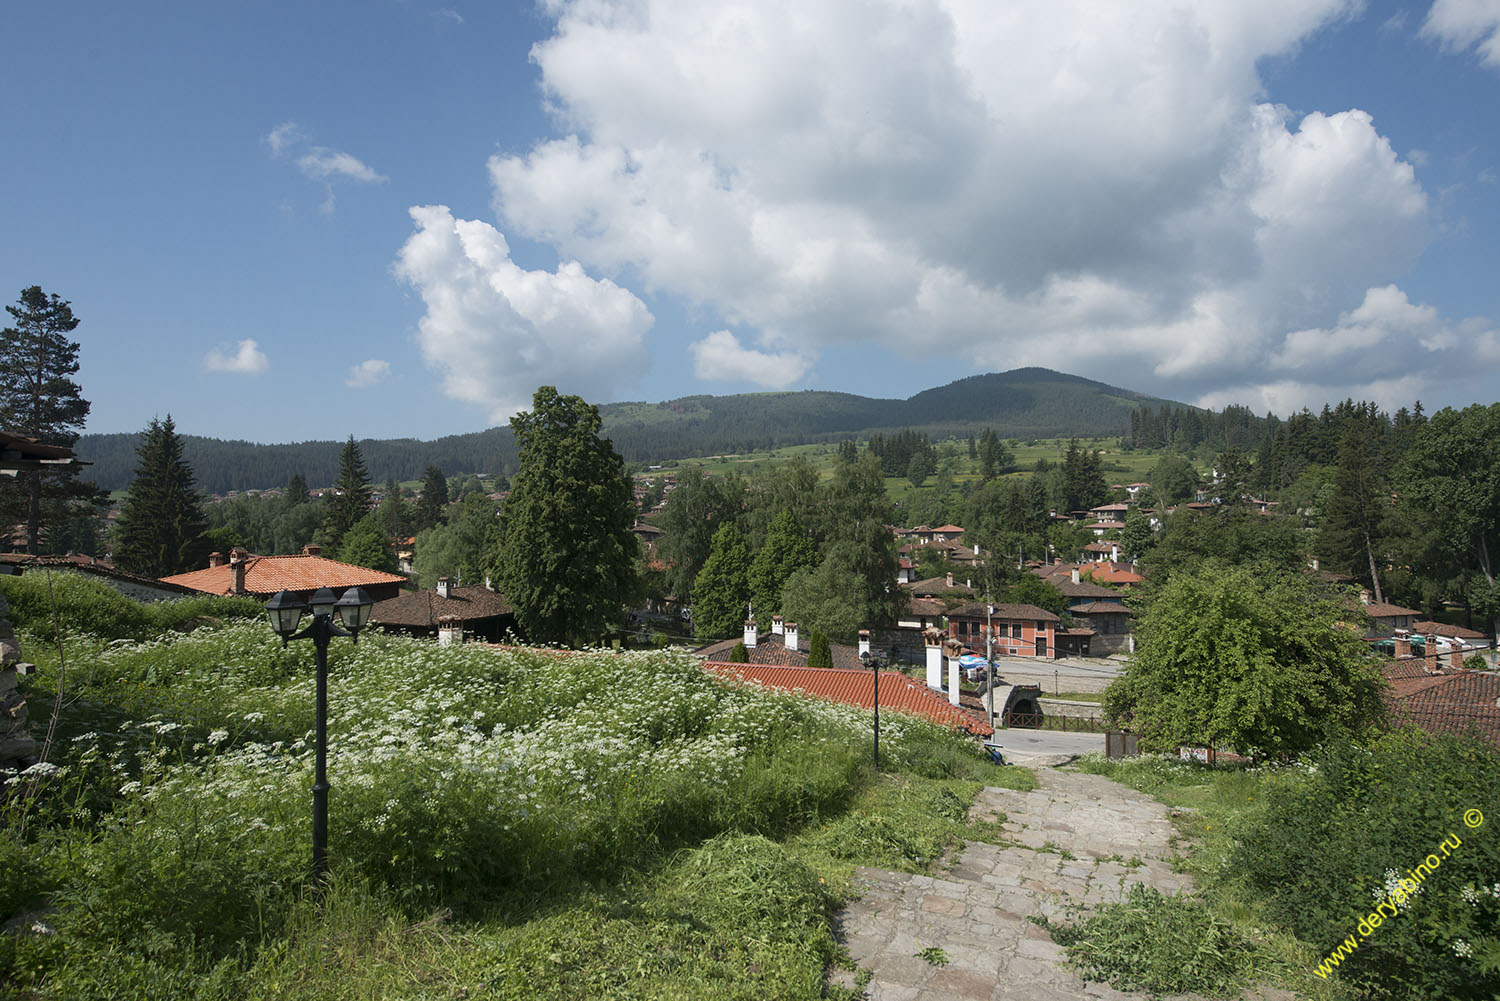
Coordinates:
450 630
933 638
312 549
789 636
237 558
1456 657
1430 649
776 627
445 587
949 579
976 549
864 642
749 634
1401 646
216 559
1076 579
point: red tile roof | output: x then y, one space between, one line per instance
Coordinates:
1427 628
1381 610
949 530
770 649
265 575
854 687
1453 702
1025 612
1100 608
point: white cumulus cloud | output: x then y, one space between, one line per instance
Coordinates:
1101 188
367 373
1464 23
495 331
321 163
283 137
721 356
246 359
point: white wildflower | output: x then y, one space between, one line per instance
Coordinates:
218 737
1462 949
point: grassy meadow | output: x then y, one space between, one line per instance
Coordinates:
515 823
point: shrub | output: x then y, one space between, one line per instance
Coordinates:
818 654
739 655
84 606
1152 942
1332 838
1475 662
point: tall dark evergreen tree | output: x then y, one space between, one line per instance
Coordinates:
1351 532
788 548
40 399
352 500
432 501
296 491
161 526
566 557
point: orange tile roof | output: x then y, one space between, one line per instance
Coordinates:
853 687
1453 702
265 575
1428 628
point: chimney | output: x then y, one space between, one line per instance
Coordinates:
976 549
933 638
953 680
864 642
450 630
1456 657
749 634
1401 646
445 587
789 636
237 567
216 559
1114 553
312 549
950 579
1430 649
1075 576
776 629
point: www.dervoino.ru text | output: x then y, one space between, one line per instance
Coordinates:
1400 890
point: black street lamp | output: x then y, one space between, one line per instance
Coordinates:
285 610
875 670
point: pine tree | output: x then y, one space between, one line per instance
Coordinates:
351 502
722 589
296 491
395 515
432 501
161 526
566 557
39 399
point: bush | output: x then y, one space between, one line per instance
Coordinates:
1152 942
739 655
85 606
1475 662
1331 838
818 654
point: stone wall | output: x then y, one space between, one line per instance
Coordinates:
1074 710
17 748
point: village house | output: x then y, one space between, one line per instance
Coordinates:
785 646
261 577
1014 630
448 612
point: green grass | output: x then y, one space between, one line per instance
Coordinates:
502 824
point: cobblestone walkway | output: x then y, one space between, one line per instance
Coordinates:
976 911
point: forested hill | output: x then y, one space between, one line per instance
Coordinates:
1025 403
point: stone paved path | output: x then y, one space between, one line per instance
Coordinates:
976 911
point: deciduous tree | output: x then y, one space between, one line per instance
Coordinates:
788 548
1245 658
722 589
366 544
566 557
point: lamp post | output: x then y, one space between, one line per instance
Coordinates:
875 671
285 610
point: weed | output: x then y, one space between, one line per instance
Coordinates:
933 956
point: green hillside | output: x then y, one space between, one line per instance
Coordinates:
1026 403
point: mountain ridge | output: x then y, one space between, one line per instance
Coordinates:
1022 403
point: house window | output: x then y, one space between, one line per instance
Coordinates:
1015 630
1041 627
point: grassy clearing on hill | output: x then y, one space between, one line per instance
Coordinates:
502 824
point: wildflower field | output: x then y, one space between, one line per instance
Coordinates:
502 823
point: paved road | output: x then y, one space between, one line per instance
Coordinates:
1033 748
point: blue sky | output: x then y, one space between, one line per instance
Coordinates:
395 219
